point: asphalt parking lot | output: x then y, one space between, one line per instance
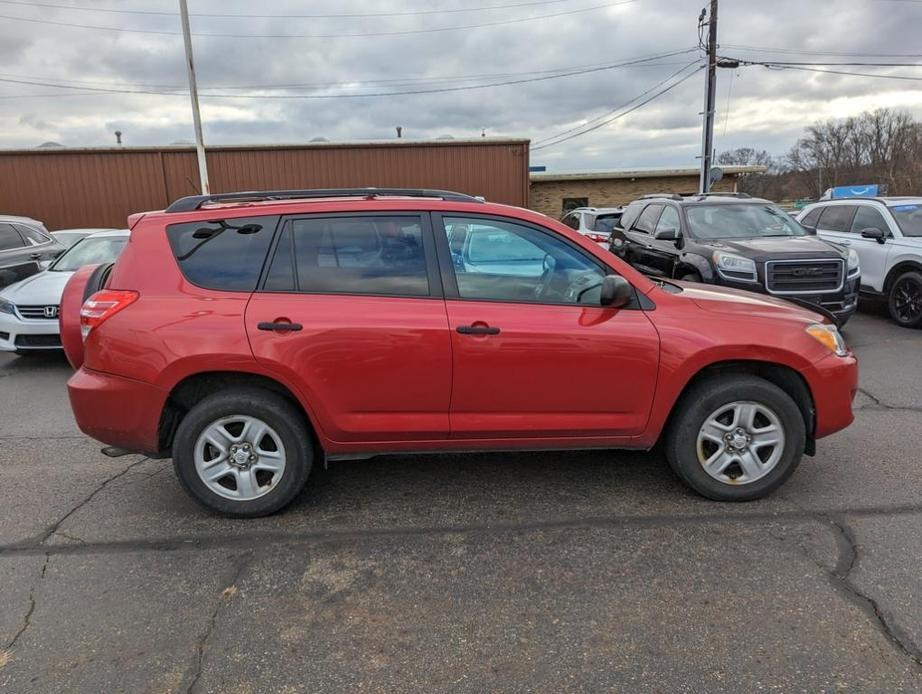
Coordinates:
525 572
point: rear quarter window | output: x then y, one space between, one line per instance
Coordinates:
223 254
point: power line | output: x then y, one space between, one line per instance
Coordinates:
228 15
440 90
638 61
839 72
542 140
622 114
797 51
404 32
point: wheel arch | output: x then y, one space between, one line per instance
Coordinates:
194 387
898 269
692 262
785 377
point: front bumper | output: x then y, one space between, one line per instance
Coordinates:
118 411
842 304
833 382
18 334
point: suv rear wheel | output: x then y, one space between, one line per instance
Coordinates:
905 299
736 438
243 453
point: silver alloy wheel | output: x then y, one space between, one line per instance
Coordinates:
740 442
239 457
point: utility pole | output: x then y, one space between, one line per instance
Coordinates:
710 96
193 93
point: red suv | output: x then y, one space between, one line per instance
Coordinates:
249 335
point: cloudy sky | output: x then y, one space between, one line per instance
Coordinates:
78 70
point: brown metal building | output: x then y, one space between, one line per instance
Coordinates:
101 187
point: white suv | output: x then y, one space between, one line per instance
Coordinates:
887 235
595 223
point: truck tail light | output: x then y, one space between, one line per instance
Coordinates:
102 306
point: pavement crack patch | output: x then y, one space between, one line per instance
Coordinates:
224 597
27 620
848 558
878 404
51 531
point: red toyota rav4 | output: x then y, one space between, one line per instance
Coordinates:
248 335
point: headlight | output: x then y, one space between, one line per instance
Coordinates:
728 262
854 264
7 307
829 336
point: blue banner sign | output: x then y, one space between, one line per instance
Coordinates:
869 191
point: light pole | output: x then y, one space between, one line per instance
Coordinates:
193 93
710 92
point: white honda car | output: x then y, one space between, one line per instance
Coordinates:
29 308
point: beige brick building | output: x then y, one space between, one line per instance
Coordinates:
553 193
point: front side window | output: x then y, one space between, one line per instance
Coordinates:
740 221
909 218
9 238
868 218
225 254
350 255
89 252
836 218
669 219
504 261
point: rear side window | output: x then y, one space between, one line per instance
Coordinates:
630 214
646 222
226 254
351 255
813 216
33 237
9 238
836 218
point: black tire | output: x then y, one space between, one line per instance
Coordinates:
904 300
690 277
705 398
276 411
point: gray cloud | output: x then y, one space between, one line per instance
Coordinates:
765 109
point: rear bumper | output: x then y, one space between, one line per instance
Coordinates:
28 334
118 411
834 382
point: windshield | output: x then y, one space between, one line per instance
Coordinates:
89 252
909 218
741 221
606 222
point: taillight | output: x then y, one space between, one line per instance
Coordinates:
102 306
598 238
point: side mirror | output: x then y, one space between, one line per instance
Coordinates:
667 234
616 291
874 233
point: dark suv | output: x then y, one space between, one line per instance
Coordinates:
737 241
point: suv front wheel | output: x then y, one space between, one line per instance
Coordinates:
735 438
243 453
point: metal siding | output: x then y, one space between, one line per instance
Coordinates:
99 188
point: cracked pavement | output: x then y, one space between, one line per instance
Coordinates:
527 572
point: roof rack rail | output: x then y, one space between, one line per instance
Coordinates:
195 202
668 196
721 195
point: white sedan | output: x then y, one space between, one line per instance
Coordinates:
29 308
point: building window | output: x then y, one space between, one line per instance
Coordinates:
573 203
